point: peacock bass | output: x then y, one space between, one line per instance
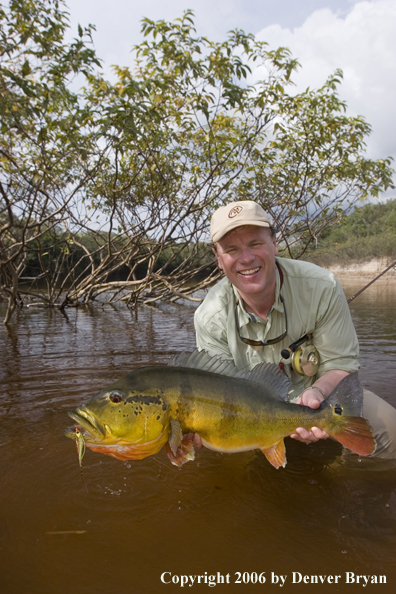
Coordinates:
231 410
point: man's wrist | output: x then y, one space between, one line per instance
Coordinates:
315 388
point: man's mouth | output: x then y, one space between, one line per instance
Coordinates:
250 271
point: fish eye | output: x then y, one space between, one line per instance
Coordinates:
115 397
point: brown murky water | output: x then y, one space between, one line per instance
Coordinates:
122 526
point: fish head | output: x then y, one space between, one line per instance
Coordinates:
122 416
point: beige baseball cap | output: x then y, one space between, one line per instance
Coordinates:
236 214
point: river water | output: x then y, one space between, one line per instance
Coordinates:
120 526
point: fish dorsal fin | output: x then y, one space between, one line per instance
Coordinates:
348 394
202 360
264 374
272 377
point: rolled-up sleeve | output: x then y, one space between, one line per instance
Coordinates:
211 335
334 335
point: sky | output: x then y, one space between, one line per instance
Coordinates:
357 36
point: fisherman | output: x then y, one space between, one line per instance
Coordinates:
266 303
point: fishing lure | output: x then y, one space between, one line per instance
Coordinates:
80 443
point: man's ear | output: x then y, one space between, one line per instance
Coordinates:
276 251
217 257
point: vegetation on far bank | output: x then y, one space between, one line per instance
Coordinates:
369 232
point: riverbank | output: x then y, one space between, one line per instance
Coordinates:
367 269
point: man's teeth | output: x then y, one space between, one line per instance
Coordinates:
251 271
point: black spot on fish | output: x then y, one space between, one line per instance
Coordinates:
142 399
158 417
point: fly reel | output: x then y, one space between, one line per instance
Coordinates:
305 359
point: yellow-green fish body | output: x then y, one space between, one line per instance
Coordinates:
231 411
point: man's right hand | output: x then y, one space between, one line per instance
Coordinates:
313 399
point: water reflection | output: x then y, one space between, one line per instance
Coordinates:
121 525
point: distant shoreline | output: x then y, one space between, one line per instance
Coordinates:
366 270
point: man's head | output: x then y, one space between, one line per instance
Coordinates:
245 249
237 214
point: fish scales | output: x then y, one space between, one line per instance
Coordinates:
231 411
214 405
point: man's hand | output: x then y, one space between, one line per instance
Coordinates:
311 398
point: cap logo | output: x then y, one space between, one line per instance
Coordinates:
235 211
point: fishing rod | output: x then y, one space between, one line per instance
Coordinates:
371 282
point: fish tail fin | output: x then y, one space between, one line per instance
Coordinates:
357 436
346 402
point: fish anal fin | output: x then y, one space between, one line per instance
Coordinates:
276 454
184 452
357 436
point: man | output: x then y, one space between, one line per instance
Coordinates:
266 303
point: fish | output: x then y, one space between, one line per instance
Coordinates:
231 410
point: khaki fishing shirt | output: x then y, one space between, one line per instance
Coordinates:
315 304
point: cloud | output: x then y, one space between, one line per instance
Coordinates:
363 44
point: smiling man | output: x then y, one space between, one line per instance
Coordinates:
266 303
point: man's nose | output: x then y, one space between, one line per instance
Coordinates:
246 255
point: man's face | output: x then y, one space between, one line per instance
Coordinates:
247 257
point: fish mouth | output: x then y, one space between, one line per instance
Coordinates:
88 423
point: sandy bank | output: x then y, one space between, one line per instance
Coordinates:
369 269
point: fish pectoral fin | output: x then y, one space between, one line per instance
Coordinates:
175 436
184 452
276 454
